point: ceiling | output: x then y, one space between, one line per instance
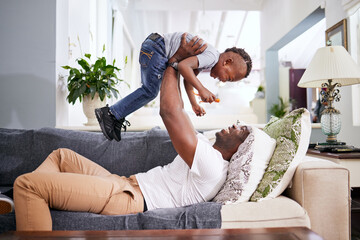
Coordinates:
223 24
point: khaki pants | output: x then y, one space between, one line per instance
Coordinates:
68 181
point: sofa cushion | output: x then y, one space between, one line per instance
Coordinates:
15 154
22 151
277 212
246 167
292 134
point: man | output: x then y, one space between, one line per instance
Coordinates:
69 181
199 171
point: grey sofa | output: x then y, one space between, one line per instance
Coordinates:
318 197
21 151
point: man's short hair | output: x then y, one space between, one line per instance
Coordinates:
244 55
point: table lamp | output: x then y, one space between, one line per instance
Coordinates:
331 67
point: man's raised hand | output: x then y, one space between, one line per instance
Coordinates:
188 49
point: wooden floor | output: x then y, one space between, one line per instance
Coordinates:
294 233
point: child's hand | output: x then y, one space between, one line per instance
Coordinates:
198 110
207 96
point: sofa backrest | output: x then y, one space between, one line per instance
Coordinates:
22 151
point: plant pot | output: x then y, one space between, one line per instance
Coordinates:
89 106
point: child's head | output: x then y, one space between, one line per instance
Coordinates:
234 64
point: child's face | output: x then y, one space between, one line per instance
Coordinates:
229 71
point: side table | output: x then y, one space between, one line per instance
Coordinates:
349 160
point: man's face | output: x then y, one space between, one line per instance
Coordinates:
232 136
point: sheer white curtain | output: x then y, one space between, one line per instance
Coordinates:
123 51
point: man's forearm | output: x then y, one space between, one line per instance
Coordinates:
176 121
170 99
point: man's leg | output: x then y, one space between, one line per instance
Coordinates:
69 181
36 192
66 160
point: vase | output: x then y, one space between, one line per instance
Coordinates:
89 106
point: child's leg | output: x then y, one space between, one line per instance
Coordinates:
66 160
153 64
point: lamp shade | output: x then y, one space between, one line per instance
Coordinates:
331 62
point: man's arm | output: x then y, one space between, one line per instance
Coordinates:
177 122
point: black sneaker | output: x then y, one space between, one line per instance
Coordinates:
106 121
121 124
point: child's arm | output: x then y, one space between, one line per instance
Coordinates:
186 69
199 111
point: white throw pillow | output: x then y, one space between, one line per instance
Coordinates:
246 167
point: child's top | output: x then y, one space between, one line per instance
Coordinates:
207 59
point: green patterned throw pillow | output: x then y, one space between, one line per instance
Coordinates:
292 134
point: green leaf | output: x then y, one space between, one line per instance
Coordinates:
97 65
77 72
88 55
101 94
66 67
126 60
103 48
107 92
75 96
92 91
109 70
114 92
84 64
82 89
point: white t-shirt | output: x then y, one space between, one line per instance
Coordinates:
176 185
207 59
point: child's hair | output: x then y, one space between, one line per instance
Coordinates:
244 55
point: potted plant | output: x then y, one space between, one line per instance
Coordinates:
91 83
279 110
260 92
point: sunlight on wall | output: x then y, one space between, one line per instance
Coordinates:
301 50
354 49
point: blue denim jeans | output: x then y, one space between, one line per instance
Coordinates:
153 63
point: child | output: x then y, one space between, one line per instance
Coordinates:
156 54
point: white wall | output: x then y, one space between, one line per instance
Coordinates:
27 63
288 15
62 56
275 26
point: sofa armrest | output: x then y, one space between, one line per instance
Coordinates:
322 188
